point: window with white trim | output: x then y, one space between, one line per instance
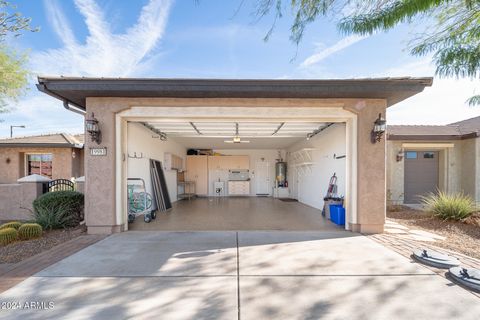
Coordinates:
39 164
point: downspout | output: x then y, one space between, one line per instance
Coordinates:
67 106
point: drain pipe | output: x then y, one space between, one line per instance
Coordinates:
67 106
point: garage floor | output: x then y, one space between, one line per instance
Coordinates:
237 213
239 275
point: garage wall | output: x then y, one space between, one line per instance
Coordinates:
313 183
477 169
140 140
469 170
255 155
395 173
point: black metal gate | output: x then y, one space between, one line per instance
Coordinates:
59 185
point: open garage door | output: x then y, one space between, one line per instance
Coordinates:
245 174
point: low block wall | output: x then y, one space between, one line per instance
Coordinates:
16 201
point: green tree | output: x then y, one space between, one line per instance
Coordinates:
13 75
452 34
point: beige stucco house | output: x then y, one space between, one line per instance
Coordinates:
318 127
56 156
422 159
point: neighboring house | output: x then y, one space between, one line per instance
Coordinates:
422 159
56 156
321 127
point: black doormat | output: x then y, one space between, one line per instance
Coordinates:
288 199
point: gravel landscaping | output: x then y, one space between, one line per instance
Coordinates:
460 236
20 250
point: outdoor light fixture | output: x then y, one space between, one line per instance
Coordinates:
379 128
400 155
91 126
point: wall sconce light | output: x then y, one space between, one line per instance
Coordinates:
73 154
91 126
400 155
379 128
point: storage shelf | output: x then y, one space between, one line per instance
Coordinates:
303 164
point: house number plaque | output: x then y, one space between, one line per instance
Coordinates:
98 151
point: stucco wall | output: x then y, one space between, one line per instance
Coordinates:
140 141
371 168
101 172
16 200
477 172
468 167
313 180
64 166
395 173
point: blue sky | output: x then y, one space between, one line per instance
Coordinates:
209 39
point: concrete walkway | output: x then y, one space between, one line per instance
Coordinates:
231 275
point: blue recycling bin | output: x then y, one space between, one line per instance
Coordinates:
337 214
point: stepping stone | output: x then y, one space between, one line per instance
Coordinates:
435 258
469 277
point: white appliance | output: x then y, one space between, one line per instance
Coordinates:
219 188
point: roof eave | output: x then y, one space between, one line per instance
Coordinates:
395 137
75 90
41 145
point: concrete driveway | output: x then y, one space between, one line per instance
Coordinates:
231 275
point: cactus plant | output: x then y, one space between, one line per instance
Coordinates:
11 224
8 235
29 231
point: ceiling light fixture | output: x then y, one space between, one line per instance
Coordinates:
236 138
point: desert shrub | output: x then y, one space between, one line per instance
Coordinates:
29 231
455 206
12 224
59 209
8 235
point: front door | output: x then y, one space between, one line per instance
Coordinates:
421 174
262 177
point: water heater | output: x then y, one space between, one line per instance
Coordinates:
281 173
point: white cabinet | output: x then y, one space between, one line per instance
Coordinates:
172 162
238 188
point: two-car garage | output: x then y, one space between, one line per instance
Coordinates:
241 129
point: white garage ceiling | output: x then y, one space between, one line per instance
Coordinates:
208 134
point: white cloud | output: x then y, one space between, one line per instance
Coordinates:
103 53
323 53
442 103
